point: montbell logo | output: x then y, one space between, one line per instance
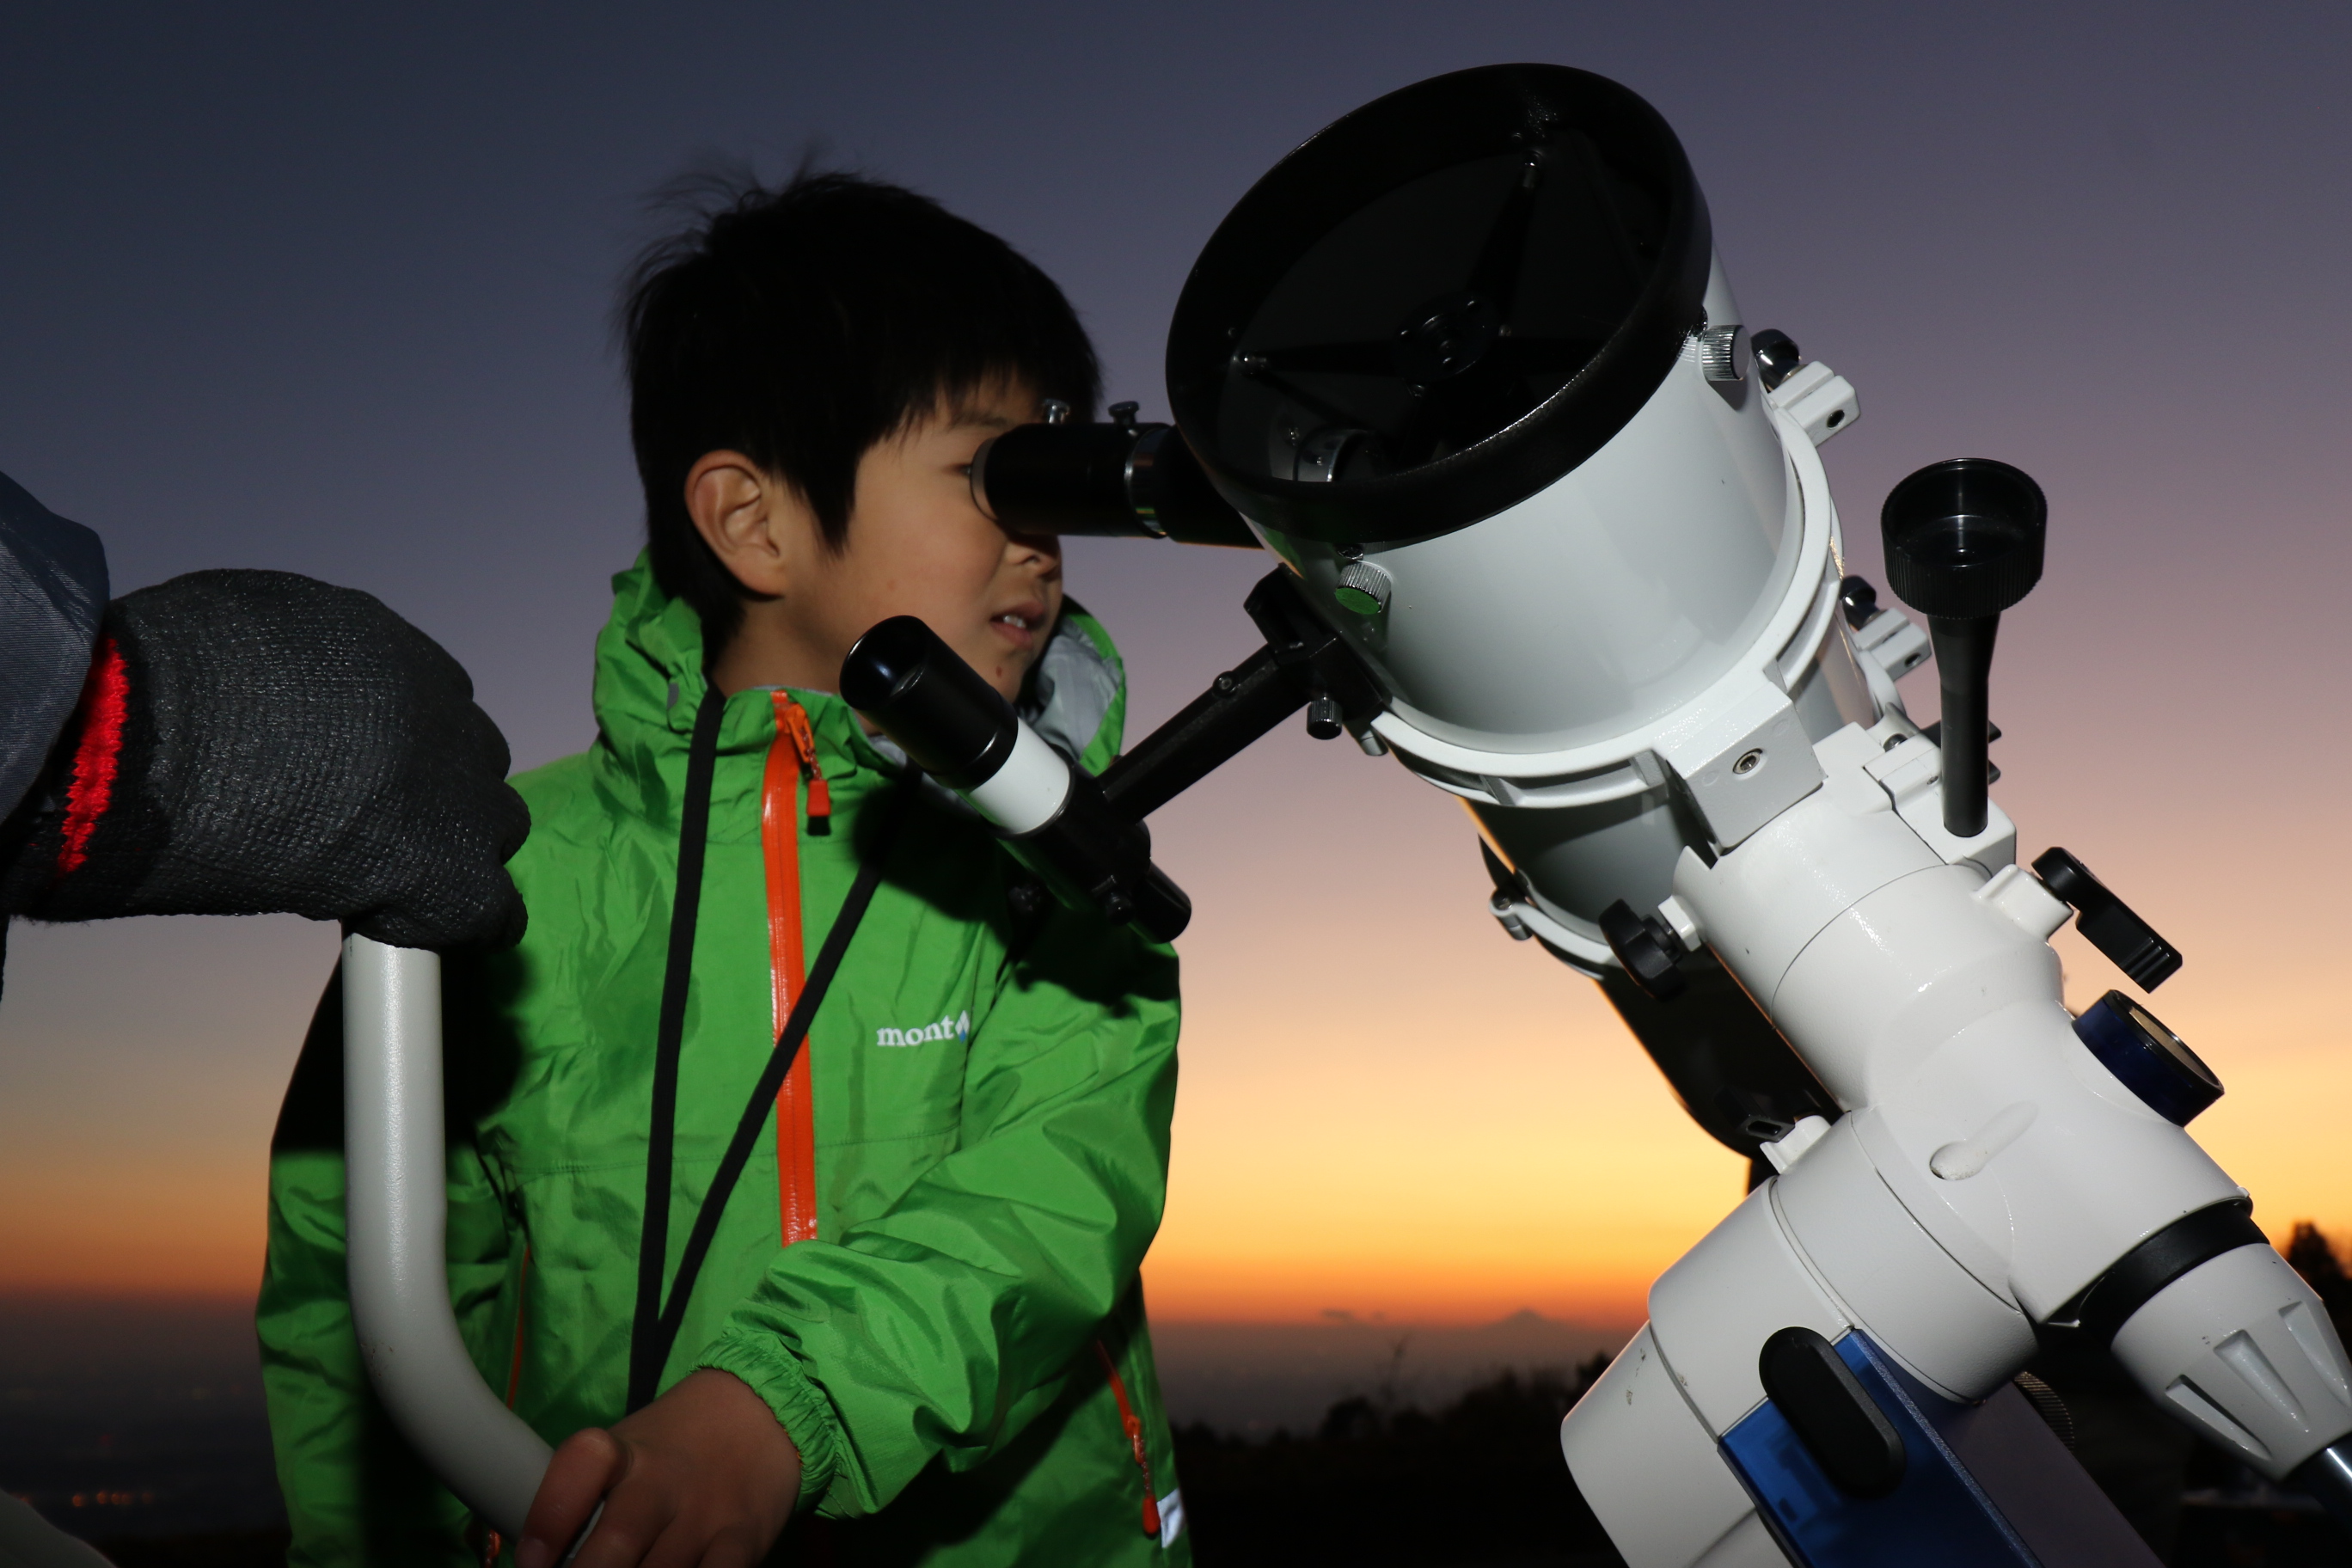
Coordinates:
956 1029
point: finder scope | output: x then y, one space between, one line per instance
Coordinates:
959 729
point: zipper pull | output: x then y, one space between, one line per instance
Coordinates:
795 721
1133 1425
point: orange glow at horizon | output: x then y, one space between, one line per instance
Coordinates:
1493 1142
1386 1107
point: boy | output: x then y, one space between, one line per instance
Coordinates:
918 1322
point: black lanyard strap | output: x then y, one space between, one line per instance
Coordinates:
655 1329
693 838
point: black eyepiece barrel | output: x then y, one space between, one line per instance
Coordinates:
1051 815
952 724
1119 481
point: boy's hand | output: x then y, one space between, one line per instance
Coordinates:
702 1477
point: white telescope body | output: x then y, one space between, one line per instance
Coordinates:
1663 610
1639 673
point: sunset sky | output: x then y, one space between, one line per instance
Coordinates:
281 287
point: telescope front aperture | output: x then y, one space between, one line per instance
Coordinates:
1439 304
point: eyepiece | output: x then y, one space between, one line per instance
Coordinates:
954 724
1058 479
1117 481
1053 815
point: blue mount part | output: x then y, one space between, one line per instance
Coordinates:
2148 1058
1984 1486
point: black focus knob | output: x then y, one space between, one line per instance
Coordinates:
1963 543
2108 922
1648 948
2151 1060
1964 538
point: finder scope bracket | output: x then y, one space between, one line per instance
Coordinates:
1084 836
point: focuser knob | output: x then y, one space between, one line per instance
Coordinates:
1964 538
2108 922
1648 948
1963 543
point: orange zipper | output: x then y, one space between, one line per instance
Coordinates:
795 722
523 1303
1126 1418
492 1543
792 761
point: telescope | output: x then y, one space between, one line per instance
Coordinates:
1551 528
1553 532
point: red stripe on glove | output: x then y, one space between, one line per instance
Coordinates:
105 705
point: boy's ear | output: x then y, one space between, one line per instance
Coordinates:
756 524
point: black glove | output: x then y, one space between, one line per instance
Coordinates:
255 742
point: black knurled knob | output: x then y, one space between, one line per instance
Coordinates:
1964 537
1648 948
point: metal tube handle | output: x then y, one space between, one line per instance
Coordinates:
397 1209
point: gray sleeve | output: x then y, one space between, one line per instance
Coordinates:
52 595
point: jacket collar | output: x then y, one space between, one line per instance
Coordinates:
650 683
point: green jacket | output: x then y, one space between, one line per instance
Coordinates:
986 1190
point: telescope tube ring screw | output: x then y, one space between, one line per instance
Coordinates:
1363 588
1648 947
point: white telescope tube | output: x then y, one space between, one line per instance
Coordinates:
397 1209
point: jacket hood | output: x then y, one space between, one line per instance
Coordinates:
650 682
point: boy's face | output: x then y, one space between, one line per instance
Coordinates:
916 546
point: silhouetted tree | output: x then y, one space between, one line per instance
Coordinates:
2323 1269
1479 1481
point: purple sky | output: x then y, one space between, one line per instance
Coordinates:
327 290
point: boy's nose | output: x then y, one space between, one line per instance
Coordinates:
1024 547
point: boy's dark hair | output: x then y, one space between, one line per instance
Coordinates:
801 325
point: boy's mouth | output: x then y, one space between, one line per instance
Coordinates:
1019 625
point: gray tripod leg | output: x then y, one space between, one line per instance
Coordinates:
397 1209
29 1540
